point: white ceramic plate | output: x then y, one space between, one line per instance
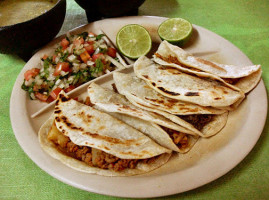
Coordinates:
207 161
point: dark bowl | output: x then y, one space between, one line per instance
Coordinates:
97 9
26 37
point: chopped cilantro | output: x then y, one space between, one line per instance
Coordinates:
98 37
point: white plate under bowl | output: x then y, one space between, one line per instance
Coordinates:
208 160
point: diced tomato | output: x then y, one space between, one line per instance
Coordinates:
99 55
85 56
54 58
111 52
50 99
70 88
62 66
41 97
31 73
55 92
64 43
45 57
78 41
76 98
90 48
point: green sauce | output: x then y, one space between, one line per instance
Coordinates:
16 11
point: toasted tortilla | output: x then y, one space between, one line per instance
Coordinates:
155 132
110 101
246 77
97 95
86 126
139 91
176 84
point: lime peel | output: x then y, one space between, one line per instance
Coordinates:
175 31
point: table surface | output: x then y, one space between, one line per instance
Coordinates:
245 23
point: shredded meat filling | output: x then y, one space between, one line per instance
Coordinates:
198 121
91 156
180 139
231 81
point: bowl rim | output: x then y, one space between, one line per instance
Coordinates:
32 19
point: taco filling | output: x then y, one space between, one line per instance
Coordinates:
181 140
198 121
91 156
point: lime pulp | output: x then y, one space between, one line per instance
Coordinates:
133 41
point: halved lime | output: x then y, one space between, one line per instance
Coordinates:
133 41
175 30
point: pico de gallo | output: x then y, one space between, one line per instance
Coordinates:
77 59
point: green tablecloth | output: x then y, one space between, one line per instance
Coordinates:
245 23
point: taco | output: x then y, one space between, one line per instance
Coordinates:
205 121
189 87
243 77
160 129
92 141
139 91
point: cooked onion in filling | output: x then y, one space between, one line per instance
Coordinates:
180 139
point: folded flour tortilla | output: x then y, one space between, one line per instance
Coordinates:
139 91
243 77
192 88
166 134
92 141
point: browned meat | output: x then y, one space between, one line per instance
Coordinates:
198 121
88 101
174 60
232 81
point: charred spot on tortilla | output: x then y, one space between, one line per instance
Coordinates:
154 84
173 70
189 109
57 102
168 92
146 76
133 94
57 111
110 139
190 94
154 100
114 87
57 119
217 98
64 98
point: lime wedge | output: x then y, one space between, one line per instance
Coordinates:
175 30
133 41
